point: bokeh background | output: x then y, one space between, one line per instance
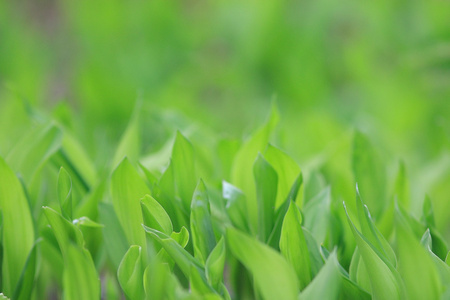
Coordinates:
333 67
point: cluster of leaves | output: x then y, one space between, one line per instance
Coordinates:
244 226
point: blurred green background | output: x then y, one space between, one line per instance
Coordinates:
381 67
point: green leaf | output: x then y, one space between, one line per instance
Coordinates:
401 189
266 181
384 279
358 271
371 233
226 151
116 243
130 144
415 264
441 266
184 172
76 161
155 216
275 278
326 284
236 206
428 214
241 170
86 222
130 273
274 238
80 279
127 189
215 264
34 149
293 245
201 226
181 257
370 173
198 283
26 282
65 193
315 258
287 170
169 199
65 232
159 282
317 215
18 231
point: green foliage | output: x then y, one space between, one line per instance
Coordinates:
194 191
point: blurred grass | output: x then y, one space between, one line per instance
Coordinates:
381 67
